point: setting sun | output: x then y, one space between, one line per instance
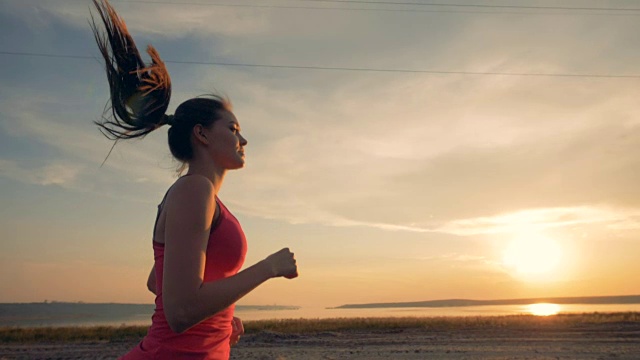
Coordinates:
532 255
543 309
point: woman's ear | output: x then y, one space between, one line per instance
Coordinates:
199 133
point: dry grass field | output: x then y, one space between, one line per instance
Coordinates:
571 336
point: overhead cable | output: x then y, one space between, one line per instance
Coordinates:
353 69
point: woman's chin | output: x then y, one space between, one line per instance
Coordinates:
239 165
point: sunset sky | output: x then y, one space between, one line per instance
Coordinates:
389 147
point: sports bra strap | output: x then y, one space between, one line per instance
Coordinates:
155 224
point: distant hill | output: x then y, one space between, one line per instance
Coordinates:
600 300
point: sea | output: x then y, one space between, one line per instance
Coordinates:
61 314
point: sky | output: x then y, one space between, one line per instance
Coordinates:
402 152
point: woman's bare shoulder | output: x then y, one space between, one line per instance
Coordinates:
192 188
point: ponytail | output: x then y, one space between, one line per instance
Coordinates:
140 93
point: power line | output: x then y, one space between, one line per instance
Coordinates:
475 5
488 9
329 8
328 68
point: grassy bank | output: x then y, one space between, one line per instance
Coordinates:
310 326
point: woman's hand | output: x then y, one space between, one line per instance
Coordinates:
283 263
237 331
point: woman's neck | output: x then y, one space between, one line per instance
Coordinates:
211 172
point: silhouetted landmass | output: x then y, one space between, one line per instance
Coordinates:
74 313
592 300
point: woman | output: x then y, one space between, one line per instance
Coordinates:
198 244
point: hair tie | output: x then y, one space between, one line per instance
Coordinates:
169 120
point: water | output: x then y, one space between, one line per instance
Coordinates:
489 310
72 314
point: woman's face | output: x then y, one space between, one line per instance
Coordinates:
226 145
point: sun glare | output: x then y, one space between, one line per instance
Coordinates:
543 309
532 256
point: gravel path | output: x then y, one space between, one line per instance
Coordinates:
619 341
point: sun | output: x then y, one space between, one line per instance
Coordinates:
543 309
533 256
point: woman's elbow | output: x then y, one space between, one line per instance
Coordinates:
179 316
177 328
177 320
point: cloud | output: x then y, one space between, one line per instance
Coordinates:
42 117
167 20
408 152
57 173
432 160
66 149
541 219
454 257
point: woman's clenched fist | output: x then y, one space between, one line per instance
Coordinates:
283 263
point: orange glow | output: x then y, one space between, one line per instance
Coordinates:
543 309
533 256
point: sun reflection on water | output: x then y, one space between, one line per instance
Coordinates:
543 309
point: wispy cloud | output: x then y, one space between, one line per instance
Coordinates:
168 20
454 257
57 173
389 151
540 219
432 164
75 137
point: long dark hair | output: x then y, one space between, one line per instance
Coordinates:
140 92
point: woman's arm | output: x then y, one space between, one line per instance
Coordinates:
151 282
187 300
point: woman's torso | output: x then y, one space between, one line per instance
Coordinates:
209 339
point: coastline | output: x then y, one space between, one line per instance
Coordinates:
565 336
